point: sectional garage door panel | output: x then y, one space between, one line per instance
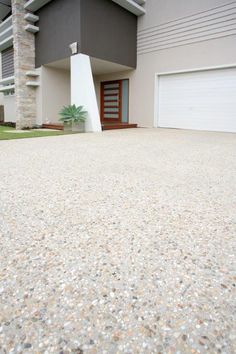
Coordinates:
203 100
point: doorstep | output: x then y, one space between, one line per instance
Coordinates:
56 126
111 126
105 126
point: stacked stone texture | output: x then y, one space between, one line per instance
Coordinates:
24 60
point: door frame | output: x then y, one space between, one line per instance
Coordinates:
157 78
110 120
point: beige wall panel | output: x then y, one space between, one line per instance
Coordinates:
179 35
162 11
55 93
39 104
218 52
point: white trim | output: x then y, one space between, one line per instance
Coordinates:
8 29
6 43
156 84
3 23
7 80
31 17
32 83
31 28
32 73
7 88
131 6
34 5
206 68
140 2
156 101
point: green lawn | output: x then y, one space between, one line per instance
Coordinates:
5 133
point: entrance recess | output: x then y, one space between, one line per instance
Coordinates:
111 101
115 105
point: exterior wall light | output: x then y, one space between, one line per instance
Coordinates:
74 48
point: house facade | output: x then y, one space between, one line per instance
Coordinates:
155 63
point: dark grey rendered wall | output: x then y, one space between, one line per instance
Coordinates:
108 32
59 23
102 29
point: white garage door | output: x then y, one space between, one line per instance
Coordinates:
203 100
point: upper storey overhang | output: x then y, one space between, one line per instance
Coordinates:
134 6
100 28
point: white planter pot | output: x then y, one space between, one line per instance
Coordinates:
67 127
78 127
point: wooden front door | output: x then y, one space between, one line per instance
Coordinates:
111 101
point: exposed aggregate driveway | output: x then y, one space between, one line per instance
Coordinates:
119 242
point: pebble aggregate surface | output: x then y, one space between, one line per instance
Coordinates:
118 242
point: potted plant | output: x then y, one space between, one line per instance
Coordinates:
73 118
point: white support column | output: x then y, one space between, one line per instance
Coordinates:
83 91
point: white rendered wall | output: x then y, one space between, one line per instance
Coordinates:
1 94
83 90
9 108
97 90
